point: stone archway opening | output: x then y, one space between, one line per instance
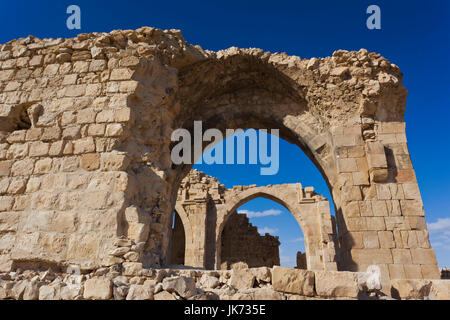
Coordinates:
246 93
201 197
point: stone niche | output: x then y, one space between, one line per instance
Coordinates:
85 150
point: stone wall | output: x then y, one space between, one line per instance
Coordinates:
178 242
85 145
241 242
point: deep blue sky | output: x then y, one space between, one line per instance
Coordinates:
414 35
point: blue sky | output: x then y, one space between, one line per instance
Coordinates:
414 35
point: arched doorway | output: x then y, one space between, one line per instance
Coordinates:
178 241
262 233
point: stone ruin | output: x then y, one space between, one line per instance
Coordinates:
242 243
86 177
205 207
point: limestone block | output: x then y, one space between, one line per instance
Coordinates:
105 116
393 208
85 145
396 271
132 256
377 160
51 134
383 192
7 241
293 280
98 289
375 223
121 74
114 161
33 134
371 256
43 166
86 116
412 271
122 115
114 130
75 90
401 256
360 178
336 284
71 292
386 239
440 290
370 281
129 61
118 252
50 292
138 231
83 247
263 274
356 224
97 65
412 207
405 176
370 239
347 165
423 256
164 295
430 271
90 161
96 129
397 223
351 193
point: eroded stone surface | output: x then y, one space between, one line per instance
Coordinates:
293 281
85 150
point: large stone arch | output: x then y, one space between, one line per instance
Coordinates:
92 160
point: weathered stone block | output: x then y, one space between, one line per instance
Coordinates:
242 278
423 256
410 289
